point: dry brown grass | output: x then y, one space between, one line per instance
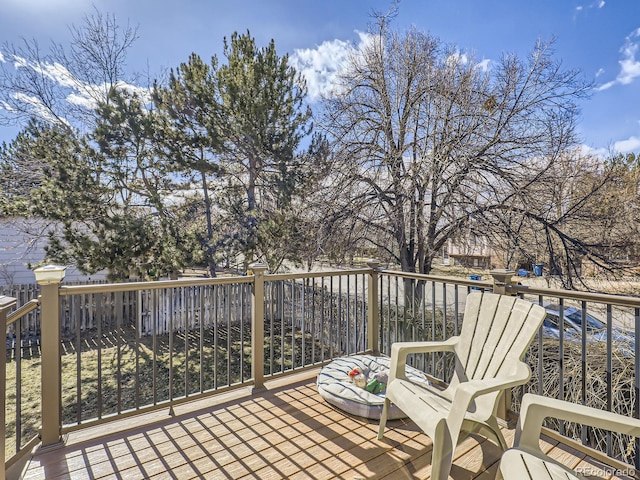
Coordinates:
595 392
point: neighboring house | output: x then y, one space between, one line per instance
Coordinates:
472 251
22 243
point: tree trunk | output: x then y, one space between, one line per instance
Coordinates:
209 250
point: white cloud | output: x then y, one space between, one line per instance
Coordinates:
596 4
321 66
77 92
484 65
631 144
599 72
45 7
56 72
2 58
457 59
629 65
6 107
143 93
589 151
38 108
19 62
81 100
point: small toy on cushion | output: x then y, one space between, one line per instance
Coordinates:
378 383
382 376
358 378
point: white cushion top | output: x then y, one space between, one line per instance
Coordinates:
336 387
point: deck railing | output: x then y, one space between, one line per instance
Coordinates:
109 351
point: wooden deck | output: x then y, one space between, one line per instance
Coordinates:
286 431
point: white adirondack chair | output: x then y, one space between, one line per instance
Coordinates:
526 460
496 332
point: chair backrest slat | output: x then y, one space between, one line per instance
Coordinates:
496 332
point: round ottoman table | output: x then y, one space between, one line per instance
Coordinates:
335 386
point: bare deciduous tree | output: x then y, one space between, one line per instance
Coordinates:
429 142
63 87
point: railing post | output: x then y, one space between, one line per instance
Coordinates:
6 303
49 279
501 281
373 315
257 325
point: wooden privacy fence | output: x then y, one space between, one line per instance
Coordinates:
79 310
158 311
30 324
182 308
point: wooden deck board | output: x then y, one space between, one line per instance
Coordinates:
284 431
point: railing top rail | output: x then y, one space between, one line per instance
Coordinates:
30 306
156 285
7 302
440 279
606 298
331 273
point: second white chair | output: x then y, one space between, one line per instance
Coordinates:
496 332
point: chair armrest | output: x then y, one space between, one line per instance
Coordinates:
400 350
536 408
466 392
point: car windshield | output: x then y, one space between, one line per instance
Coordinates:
593 324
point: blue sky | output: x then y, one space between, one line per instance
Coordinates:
601 38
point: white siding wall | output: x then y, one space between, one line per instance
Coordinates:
22 249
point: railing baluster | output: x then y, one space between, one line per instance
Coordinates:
257 325
201 322
229 324
636 380
137 336
456 312
100 320
242 317
293 284
314 329
322 318
6 304
155 322
118 313
609 371
18 358
78 348
302 324
561 358
273 303
170 312
540 353
433 325
348 316
389 338
583 367
216 323
185 305
423 357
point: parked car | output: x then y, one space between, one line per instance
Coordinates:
596 329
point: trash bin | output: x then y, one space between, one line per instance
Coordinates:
537 269
475 277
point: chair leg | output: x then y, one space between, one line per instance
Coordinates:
494 428
441 455
383 418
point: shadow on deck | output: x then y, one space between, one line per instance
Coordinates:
285 431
